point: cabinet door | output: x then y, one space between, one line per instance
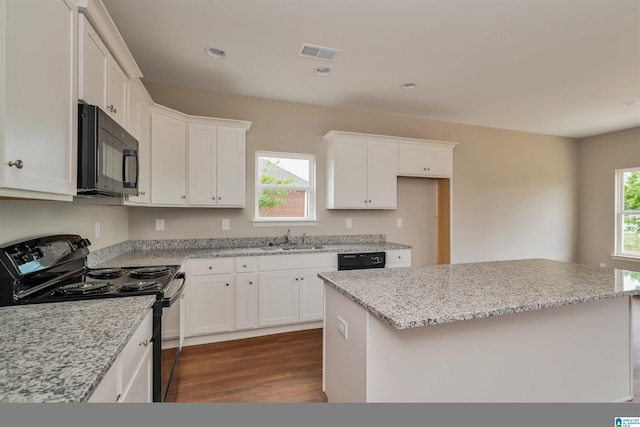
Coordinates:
278 298
38 112
117 87
201 148
412 159
382 172
212 304
311 295
140 388
168 160
93 60
230 166
350 174
439 162
246 301
144 158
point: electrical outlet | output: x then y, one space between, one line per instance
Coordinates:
159 224
225 224
349 223
343 327
603 265
399 222
98 230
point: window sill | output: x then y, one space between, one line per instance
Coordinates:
626 258
284 222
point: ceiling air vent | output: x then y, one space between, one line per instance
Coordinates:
318 52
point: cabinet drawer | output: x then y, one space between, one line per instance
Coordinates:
246 265
399 256
133 353
199 267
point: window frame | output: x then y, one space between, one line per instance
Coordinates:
310 219
619 216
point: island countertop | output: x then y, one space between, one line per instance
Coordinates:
59 352
420 296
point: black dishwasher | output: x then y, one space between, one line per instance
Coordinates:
360 261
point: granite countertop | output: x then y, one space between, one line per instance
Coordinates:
420 296
175 256
59 352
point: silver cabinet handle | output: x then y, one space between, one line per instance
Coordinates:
210 268
113 109
142 193
18 164
184 197
144 343
219 197
244 265
251 283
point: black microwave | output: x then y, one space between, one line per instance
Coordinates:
107 155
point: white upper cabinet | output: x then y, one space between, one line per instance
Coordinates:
38 112
361 171
101 80
216 165
168 158
140 127
197 161
428 158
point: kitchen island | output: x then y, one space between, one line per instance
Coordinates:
509 331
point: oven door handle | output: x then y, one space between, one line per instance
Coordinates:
172 296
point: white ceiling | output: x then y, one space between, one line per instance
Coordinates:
559 67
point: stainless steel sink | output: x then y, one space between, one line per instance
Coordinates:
291 248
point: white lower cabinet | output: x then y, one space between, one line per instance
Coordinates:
130 378
211 296
278 298
311 295
246 301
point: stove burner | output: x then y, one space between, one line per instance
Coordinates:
149 272
105 273
83 288
140 285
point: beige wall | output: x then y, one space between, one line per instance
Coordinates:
599 157
515 193
20 219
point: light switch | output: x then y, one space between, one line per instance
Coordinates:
98 230
349 223
225 224
399 222
159 224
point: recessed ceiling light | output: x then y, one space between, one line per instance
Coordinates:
408 86
632 103
322 71
215 52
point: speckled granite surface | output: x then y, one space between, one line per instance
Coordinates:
420 296
60 352
175 252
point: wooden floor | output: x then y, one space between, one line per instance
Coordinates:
275 368
278 368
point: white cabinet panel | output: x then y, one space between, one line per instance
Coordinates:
38 86
117 88
398 258
212 304
428 159
246 300
311 295
168 160
361 172
93 61
216 165
278 298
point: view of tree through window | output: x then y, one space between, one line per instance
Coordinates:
284 186
631 212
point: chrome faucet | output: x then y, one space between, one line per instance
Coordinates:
304 237
286 237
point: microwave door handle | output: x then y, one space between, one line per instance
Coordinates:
125 154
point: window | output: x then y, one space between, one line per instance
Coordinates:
628 212
285 187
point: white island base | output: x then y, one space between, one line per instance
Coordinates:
572 353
